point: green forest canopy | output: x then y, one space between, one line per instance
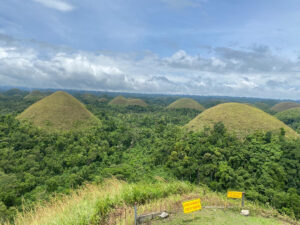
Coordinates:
134 143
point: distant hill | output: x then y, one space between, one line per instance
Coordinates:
59 111
263 106
35 95
90 97
284 106
15 92
119 100
136 101
186 103
102 100
122 101
239 118
290 117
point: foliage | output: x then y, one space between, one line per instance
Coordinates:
38 163
264 106
137 144
13 102
290 117
263 165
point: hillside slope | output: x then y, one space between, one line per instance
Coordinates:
112 203
122 101
239 118
284 106
186 103
59 111
290 117
35 95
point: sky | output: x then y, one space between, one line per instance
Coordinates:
191 47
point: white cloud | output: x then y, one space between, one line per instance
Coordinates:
226 72
56 4
183 3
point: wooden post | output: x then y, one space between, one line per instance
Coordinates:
243 199
135 215
125 215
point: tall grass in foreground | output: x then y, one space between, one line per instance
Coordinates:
102 204
93 203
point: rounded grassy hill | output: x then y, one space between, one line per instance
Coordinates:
290 117
102 100
122 101
284 106
35 95
59 111
240 119
186 103
136 101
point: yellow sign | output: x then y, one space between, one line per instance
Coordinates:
234 194
191 206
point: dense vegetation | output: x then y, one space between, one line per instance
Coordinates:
290 117
136 143
265 166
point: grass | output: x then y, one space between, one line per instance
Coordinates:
122 101
186 103
35 95
284 106
173 205
217 216
112 203
239 118
93 204
59 111
77 208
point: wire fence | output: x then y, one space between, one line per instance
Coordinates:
125 215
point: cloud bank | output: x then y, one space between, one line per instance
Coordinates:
56 4
255 72
183 3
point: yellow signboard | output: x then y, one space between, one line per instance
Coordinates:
234 194
191 206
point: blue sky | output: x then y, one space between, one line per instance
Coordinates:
203 47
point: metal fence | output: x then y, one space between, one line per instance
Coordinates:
145 213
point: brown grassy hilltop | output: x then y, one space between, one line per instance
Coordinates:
35 95
282 106
122 101
186 103
239 118
59 111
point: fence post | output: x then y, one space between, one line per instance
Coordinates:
135 215
243 199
